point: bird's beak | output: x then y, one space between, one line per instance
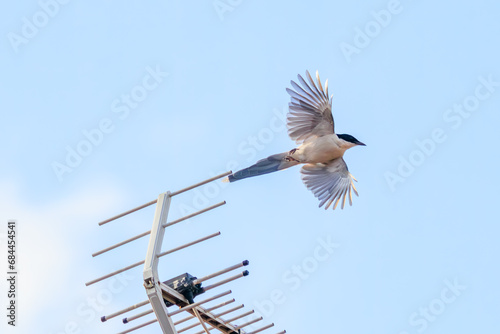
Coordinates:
360 143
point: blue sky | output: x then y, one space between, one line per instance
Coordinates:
159 95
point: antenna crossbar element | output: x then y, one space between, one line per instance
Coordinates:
263 329
125 310
127 212
211 308
218 273
171 195
139 326
249 323
165 225
240 316
227 280
191 326
136 316
201 183
143 261
230 310
206 310
188 244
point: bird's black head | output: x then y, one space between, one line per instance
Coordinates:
350 139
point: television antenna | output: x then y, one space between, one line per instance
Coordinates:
180 290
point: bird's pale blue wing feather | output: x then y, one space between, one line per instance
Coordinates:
310 110
331 183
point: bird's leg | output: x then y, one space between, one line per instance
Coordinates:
289 157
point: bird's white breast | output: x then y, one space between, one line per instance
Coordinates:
320 150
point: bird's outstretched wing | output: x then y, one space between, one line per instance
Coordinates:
329 182
310 110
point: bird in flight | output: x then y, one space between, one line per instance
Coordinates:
310 124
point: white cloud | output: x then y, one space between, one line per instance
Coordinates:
46 246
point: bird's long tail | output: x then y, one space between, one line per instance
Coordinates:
270 164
